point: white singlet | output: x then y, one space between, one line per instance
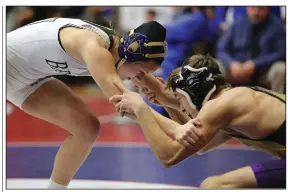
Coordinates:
35 52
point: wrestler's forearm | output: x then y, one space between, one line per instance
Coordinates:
161 144
177 116
167 125
166 98
171 101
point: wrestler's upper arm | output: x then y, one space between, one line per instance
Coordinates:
218 113
219 139
89 49
214 116
100 63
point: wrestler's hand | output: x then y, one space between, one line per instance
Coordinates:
128 102
151 95
190 136
130 115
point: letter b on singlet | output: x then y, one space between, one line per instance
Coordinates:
60 67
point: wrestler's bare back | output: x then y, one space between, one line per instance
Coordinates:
259 113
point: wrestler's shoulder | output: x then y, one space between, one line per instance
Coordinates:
80 36
239 91
238 95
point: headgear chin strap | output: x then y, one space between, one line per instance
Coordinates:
197 85
135 47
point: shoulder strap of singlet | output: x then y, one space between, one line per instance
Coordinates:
271 93
107 31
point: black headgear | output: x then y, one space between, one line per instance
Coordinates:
197 85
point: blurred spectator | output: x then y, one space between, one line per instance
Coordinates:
73 11
238 13
93 14
16 16
150 15
20 16
98 15
253 50
131 17
186 31
41 12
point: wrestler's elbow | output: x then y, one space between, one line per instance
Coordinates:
172 162
201 152
169 160
178 157
168 163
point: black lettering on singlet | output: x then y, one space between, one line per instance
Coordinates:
58 66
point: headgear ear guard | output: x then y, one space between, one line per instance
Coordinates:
197 85
135 47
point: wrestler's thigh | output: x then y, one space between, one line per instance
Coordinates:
58 104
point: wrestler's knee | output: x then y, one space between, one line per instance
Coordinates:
82 123
211 183
89 128
216 182
79 120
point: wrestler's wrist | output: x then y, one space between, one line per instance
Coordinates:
140 108
176 130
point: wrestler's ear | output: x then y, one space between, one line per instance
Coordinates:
120 86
